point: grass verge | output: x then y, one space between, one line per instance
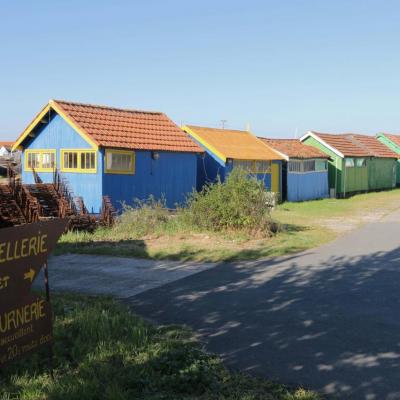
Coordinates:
104 352
303 226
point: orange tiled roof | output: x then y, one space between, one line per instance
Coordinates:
373 146
343 144
119 128
234 144
293 148
394 138
128 129
6 144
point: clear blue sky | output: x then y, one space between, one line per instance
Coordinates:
279 65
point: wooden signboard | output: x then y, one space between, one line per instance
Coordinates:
25 317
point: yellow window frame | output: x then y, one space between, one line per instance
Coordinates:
130 153
40 152
253 163
79 168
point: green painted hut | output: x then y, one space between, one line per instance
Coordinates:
358 163
393 143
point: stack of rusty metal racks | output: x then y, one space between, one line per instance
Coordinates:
10 212
108 213
21 204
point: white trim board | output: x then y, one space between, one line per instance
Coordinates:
318 139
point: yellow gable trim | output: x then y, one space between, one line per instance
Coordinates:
30 127
73 124
191 132
46 109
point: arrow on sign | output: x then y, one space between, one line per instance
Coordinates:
30 274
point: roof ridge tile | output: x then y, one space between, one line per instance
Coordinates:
104 107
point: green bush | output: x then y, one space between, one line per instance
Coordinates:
145 217
241 203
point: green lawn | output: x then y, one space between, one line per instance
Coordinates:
303 225
104 352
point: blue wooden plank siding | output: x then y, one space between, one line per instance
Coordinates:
172 176
210 166
307 186
164 167
267 178
224 147
58 134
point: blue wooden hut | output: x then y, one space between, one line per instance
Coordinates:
305 170
125 154
226 149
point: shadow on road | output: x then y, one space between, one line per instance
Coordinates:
331 326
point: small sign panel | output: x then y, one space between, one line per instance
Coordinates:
25 318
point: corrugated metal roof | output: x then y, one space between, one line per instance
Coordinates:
234 144
293 148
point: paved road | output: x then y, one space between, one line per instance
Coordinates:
327 318
118 277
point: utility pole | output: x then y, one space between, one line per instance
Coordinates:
223 122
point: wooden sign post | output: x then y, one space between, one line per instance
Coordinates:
25 317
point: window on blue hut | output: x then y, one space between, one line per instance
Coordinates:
308 165
361 162
349 162
33 160
262 167
48 160
295 166
253 166
246 165
70 160
88 160
83 161
119 161
321 165
40 160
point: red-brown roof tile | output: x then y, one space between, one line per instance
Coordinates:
293 148
128 129
343 144
394 138
357 145
373 146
